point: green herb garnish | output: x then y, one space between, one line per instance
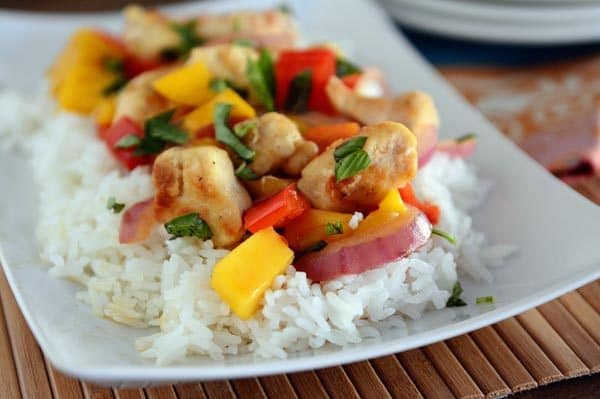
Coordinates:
350 146
261 76
285 8
344 67
465 137
218 84
224 135
116 66
245 173
317 246
243 128
129 141
350 158
334 228
160 132
114 206
115 86
454 300
188 39
449 237
299 92
189 225
484 300
243 42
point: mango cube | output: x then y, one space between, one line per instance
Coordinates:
82 88
189 84
203 115
242 277
392 202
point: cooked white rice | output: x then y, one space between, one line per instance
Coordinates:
167 283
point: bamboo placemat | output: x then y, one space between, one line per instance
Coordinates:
557 340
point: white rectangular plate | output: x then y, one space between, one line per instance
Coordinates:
555 228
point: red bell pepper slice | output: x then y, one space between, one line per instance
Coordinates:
276 211
321 63
430 210
121 128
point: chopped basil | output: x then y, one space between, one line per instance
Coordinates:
454 300
245 173
189 225
243 42
350 146
351 165
129 141
219 84
158 133
114 65
285 8
188 39
317 246
243 128
350 158
224 135
299 92
114 206
262 79
449 237
466 137
114 87
484 300
344 67
334 228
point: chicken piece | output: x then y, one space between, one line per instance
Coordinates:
138 100
202 180
414 109
304 153
227 61
147 33
392 150
272 29
278 144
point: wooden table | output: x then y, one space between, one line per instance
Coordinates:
26 373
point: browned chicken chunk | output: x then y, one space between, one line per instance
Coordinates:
392 150
279 144
202 180
138 100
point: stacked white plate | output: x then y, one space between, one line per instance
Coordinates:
509 21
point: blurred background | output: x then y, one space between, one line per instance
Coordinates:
531 66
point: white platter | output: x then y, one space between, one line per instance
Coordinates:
556 229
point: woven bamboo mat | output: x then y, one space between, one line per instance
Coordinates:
557 340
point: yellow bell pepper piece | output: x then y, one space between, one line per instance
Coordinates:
392 202
311 227
189 85
203 115
82 88
242 276
105 111
85 46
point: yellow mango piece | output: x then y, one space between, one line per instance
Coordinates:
105 111
242 276
203 115
82 88
392 202
189 85
85 46
375 219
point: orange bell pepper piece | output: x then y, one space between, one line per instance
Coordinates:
326 134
